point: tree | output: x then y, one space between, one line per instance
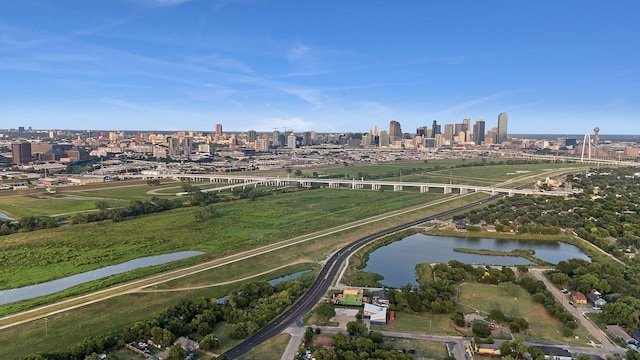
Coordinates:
458 318
298 172
354 328
102 205
308 334
209 342
518 324
497 315
481 328
325 311
176 352
376 337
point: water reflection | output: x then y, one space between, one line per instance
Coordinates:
396 262
54 286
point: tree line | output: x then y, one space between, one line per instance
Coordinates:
248 309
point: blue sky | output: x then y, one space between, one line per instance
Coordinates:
553 66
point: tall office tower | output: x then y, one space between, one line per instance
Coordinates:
421 131
306 138
457 129
435 128
174 145
429 133
502 127
275 139
251 135
366 140
21 152
395 132
448 132
478 132
466 124
291 141
218 129
383 138
374 130
262 145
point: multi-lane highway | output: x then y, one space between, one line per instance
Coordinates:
324 280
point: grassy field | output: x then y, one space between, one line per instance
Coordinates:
471 175
271 349
61 330
40 205
113 313
440 324
424 349
543 327
33 257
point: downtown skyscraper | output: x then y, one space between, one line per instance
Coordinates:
502 127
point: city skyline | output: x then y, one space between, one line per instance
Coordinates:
189 64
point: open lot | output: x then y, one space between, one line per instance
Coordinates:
425 323
423 348
45 204
543 326
271 349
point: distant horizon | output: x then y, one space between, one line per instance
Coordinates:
602 136
326 66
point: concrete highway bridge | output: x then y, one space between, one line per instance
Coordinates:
375 185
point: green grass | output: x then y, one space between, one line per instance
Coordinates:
33 257
41 205
420 323
528 254
141 192
543 327
71 327
424 349
472 175
271 349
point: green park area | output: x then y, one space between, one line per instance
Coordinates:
51 204
470 172
33 257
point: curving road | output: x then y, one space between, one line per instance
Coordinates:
324 280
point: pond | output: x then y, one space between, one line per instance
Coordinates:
273 282
396 262
4 216
54 286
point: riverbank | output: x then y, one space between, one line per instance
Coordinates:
528 254
354 276
588 248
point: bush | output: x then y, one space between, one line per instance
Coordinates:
458 318
481 328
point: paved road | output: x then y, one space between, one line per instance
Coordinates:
323 282
136 285
597 334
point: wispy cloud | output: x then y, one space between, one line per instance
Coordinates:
221 62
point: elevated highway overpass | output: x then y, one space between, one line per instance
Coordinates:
375 185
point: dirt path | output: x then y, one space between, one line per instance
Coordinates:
132 286
144 290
